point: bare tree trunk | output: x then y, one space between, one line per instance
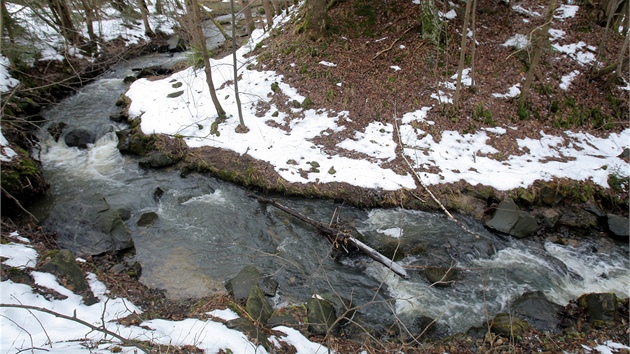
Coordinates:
268 13
539 39
242 128
474 43
8 23
145 18
198 38
462 54
620 61
316 17
159 10
90 17
63 18
249 19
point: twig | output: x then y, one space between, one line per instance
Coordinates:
38 321
80 321
18 204
394 42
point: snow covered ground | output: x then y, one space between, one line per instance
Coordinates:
35 331
575 155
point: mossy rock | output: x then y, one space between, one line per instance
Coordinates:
508 325
64 265
599 306
321 316
147 219
175 94
258 306
22 180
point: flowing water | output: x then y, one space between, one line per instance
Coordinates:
208 230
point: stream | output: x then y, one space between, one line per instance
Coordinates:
207 230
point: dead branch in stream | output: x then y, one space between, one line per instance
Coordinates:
339 238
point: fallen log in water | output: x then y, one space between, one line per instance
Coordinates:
338 237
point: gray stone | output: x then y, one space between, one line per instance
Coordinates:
176 44
599 306
321 316
247 327
243 282
79 138
511 220
625 154
268 286
63 264
551 218
538 311
157 159
618 226
88 226
258 306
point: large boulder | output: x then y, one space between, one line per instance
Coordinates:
538 311
80 138
600 307
88 226
618 226
511 220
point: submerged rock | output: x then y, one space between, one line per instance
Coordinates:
147 219
441 276
88 226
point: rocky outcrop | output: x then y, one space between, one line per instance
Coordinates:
88 226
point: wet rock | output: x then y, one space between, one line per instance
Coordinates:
120 117
63 264
125 213
321 316
392 250
157 194
538 311
243 282
618 226
258 306
88 226
511 220
600 307
509 326
133 141
441 276
158 159
79 138
147 219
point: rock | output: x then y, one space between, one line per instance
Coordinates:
538 311
147 219
578 220
599 306
268 286
258 306
125 213
511 220
321 316
550 196
392 250
507 325
287 316
63 264
441 276
243 282
133 141
16 275
247 327
157 159
551 217
625 154
618 226
175 94
79 138
88 226
117 268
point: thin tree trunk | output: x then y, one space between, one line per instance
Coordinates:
8 23
62 15
474 43
89 23
242 128
540 38
145 18
268 13
462 54
217 25
620 66
158 7
200 40
249 19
